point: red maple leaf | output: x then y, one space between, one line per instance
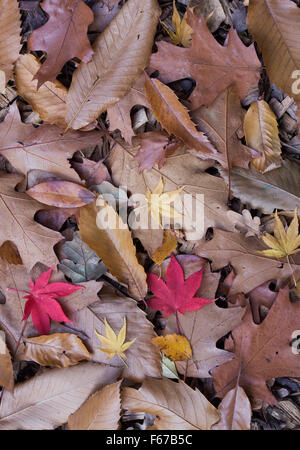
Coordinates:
42 304
177 294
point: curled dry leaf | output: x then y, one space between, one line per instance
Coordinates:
10 39
175 405
94 173
62 194
101 411
280 187
112 242
6 368
49 101
175 119
214 67
63 37
261 133
274 24
121 52
235 411
261 352
56 350
245 222
46 401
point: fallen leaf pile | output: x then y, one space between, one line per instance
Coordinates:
149 201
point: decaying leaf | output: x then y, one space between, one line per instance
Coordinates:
175 405
62 194
280 187
82 264
235 411
10 39
57 350
251 267
245 222
119 113
174 346
175 119
103 231
50 100
43 148
63 37
221 123
261 133
45 401
214 67
143 357
34 242
101 411
6 368
121 52
261 351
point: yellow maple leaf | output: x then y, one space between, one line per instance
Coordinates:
114 345
159 202
183 32
284 242
175 346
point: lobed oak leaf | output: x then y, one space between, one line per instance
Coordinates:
283 243
261 352
113 344
176 294
213 66
41 301
63 37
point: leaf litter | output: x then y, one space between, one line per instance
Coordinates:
149 195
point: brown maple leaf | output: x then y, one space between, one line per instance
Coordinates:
262 351
63 37
213 66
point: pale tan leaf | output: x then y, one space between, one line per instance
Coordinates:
50 100
34 242
235 411
175 405
274 24
113 244
100 412
261 133
6 368
57 350
142 357
121 52
180 169
46 400
279 188
10 39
